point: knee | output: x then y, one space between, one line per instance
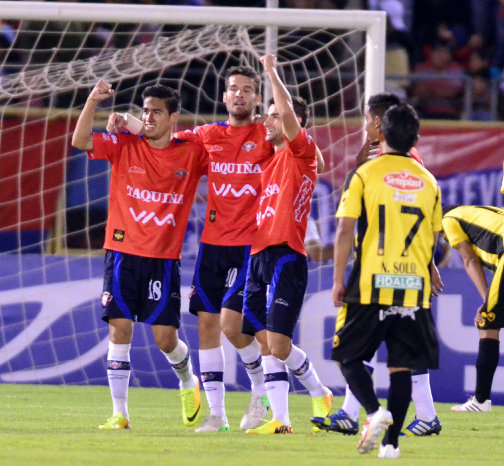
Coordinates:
208 332
280 351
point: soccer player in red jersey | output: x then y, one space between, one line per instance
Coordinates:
153 183
278 257
237 152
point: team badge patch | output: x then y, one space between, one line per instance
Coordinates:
213 214
249 145
106 297
180 174
404 181
118 235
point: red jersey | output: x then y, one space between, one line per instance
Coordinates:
237 158
414 155
288 183
151 193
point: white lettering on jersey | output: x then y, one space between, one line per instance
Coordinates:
154 196
225 189
225 168
269 212
303 199
144 217
270 191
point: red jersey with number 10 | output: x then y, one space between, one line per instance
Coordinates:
288 184
151 193
238 156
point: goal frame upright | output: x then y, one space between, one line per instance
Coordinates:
372 22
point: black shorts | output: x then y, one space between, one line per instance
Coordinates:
141 289
408 332
274 293
493 308
219 278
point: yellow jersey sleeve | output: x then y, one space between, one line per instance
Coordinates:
351 200
454 232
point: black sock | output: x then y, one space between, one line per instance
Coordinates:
486 364
398 399
360 382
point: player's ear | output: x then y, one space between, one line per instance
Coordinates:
224 97
174 117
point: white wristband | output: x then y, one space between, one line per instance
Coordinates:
132 124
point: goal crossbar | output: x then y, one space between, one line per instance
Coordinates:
373 22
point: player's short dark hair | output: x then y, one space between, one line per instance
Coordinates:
247 71
300 107
378 104
449 207
400 126
170 96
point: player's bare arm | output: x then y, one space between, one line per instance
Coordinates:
343 245
473 267
82 137
437 284
282 98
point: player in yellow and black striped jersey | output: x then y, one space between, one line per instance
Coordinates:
477 232
396 204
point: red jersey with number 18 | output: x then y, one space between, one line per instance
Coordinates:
287 188
151 193
238 156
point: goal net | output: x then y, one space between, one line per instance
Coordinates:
53 200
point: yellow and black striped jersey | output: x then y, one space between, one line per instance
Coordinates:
481 226
398 206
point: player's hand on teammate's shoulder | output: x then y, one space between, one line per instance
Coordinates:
269 62
368 151
102 90
116 122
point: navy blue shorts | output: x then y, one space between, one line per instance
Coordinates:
142 289
219 278
274 292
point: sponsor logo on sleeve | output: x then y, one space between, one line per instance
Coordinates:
404 181
215 149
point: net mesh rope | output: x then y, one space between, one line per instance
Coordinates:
53 200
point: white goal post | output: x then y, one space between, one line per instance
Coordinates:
50 195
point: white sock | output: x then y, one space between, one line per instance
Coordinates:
180 361
422 397
118 374
351 405
304 371
251 357
212 376
276 383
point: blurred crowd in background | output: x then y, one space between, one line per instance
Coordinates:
444 56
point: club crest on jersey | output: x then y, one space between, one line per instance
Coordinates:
249 145
404 181
212 216
180 174
118 235
135 169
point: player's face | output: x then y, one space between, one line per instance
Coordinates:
273 125
372 127
156 119
241 97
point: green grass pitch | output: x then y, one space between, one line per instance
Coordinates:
57 425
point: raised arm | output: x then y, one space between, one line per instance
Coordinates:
82 137
282 98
